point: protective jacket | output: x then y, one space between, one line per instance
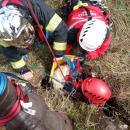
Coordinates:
52 25
77 18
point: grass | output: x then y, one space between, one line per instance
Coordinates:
114 68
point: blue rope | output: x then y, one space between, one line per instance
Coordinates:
14 76
3 83
4 79
71 64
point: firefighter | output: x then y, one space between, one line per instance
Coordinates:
88 24
18 30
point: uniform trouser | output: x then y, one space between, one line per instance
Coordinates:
13 53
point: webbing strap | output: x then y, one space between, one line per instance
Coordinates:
89 14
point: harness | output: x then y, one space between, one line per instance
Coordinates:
88 9
74 78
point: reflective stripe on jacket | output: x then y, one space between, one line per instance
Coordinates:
14 55
18 64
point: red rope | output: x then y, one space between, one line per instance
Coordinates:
42 36
14 111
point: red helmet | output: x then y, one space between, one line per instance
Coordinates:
96 91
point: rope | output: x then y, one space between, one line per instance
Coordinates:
43 35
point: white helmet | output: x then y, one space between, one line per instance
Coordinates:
93 34
14 28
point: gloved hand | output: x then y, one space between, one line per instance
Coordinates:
28 75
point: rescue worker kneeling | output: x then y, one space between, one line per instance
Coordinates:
18 30
88 24
22 109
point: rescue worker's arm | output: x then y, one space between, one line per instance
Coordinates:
52 23
59 29
60 39
14 56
